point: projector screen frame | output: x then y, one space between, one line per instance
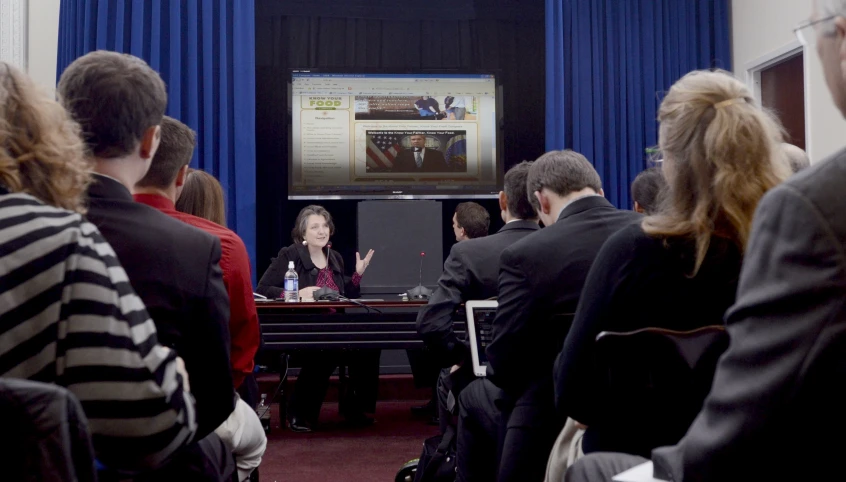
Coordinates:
403 193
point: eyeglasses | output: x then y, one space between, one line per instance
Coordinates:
807 36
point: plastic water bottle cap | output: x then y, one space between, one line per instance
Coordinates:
290 265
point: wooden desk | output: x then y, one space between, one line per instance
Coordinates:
318 325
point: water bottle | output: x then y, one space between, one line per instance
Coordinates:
292 281
264 413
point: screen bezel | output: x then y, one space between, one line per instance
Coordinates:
463 194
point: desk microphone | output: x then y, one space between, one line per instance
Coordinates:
327 294
420 292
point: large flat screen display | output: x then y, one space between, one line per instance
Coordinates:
394 135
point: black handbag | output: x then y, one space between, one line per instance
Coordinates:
437 462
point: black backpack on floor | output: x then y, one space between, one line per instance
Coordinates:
437 462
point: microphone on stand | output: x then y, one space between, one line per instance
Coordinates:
327 294
420 292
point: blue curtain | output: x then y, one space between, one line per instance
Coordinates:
205 52
608 63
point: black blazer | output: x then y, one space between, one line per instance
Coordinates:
433 161
273 280
175 269
542 275
470 273
775 410
638 281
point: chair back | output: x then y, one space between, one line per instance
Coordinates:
654 381
45 433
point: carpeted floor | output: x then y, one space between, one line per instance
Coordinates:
339 453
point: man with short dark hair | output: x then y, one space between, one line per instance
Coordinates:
119 102
159 189
470 221
646 189
470 273
540 276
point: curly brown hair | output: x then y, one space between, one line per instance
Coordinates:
41 152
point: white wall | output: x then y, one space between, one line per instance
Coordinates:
43 41
761 27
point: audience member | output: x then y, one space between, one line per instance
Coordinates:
678 269
786 329
69 316
646 190
202 195
470 221
318 267
540 276
470 273
119 101
796 157
158 189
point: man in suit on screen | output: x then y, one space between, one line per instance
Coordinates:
420 158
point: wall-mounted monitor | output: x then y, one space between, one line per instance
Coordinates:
392 135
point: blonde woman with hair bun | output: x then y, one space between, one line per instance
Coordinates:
678 268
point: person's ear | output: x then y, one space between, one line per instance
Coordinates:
840 36
601 192
543 202
638 208
181 175
150 142
503 201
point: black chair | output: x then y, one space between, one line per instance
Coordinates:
45 433
652 382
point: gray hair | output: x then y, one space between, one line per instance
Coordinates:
301 224
796 157
562 172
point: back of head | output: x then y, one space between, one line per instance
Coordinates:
797 158
562 172
473 218
115 98
721 154
41 152
514 185
647 187
175 151
202 196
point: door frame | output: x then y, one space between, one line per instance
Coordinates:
754 67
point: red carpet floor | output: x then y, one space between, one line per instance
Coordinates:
339 453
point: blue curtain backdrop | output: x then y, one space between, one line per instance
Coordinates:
205 52
608 62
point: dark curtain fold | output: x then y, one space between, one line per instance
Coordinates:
608 63
205 52
504 35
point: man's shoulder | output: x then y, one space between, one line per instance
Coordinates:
821 186
149 225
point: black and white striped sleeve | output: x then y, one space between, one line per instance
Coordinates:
108 355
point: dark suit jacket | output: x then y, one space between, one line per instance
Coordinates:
542 275
776 407
272 282
174 268
471 272
433 161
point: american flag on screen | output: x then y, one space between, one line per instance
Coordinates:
382 149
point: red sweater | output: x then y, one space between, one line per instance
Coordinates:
235 264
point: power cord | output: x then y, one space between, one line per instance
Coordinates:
278 390
368 308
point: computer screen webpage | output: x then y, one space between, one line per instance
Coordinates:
393 135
